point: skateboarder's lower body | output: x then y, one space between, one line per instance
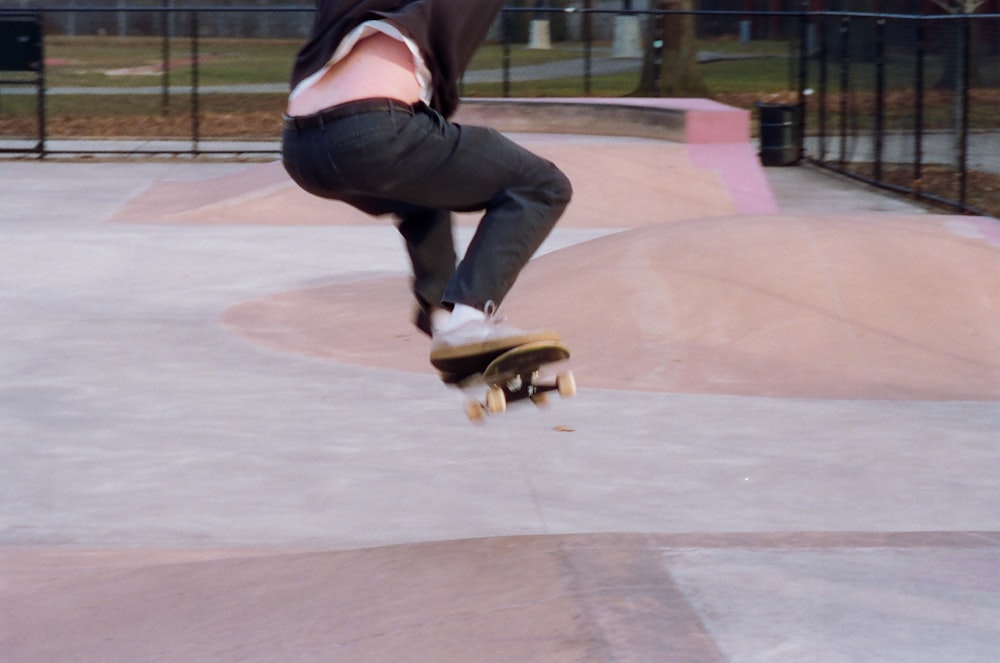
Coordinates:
387 157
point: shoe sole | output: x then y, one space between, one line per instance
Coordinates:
472 357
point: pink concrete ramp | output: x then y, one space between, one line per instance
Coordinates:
503 599
549 598
618 183
879 307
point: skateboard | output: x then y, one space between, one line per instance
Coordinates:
516 375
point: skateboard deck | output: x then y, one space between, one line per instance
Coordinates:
516 375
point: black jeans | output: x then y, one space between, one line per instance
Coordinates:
384 157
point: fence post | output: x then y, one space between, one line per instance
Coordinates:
803 75
822 85
963 135
194 82
165 56
506 29
588 37
918 111
845 65
42 121
879 97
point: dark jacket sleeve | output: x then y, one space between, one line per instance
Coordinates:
457 30
448 33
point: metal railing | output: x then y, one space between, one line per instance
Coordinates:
904 102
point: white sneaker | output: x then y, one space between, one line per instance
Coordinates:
471 344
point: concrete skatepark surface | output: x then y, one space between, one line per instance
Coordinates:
221 440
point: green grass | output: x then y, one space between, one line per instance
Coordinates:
764 76
105 62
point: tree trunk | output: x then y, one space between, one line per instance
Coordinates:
679 73
670 62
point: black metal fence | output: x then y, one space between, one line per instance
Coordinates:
910 103
907 102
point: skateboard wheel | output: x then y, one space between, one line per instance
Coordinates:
496 402
540 399
475 411
566 384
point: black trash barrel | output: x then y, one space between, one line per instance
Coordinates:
779 134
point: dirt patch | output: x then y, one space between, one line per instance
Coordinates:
254 125
982 190
157 68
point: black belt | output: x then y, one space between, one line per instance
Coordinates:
348 109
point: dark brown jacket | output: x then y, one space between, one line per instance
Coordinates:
448 33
